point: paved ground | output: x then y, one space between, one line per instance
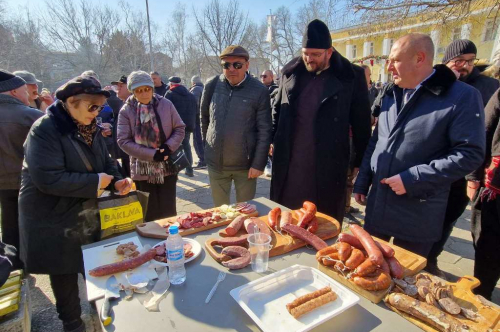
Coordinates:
194 194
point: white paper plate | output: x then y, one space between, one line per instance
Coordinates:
195 248
265 299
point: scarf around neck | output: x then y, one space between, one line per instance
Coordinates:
147 133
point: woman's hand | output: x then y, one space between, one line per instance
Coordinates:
105 180
472 187
123 186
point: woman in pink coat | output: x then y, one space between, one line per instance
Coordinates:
149 129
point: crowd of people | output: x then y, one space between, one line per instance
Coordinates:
415 151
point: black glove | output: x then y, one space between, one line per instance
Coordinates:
160 156
166 148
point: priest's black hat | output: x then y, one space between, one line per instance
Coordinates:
317 36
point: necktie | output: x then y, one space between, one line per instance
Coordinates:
407 95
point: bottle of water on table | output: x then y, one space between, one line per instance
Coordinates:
175 256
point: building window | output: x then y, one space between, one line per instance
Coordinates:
490 30
371 48
354 52
391 42
457 33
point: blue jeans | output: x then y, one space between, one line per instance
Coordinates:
187 150
198 142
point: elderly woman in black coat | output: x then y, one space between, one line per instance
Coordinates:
66 167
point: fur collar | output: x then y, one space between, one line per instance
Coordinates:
62 120
437 84
342 68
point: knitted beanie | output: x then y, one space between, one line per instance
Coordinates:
137 79
317 36
9 81
459 47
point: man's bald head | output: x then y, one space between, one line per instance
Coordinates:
415 43
411 60
267 77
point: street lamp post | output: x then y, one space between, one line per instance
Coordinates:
150 42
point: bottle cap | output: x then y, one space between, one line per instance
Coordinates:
174 229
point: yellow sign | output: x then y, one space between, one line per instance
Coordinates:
121 216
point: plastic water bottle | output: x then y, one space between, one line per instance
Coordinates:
175 256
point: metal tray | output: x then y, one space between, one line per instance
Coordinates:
265 299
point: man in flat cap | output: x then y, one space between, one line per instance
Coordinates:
236 125
321 95
186 105
16 118
40 102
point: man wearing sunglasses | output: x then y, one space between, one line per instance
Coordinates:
236 125
321 95
267 78
460 56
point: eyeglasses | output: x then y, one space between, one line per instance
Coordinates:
95 108
236 65
314 55
462 62
143 89
263 76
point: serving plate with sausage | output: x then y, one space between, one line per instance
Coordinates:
194 222
297 298
101 257
192 249
289 230
366 264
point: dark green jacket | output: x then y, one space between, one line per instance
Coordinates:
236 124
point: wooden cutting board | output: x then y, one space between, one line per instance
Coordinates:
411 262
155 230
462 290
328 227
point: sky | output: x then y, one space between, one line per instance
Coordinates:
159 10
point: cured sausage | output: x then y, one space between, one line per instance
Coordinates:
273 217
332 259
326 251
286 218
232 241
374 282
386 250
235 225
242 257
313 225
357 257
330 252
124 265
397 270
368 243
427 313
305 219
308 297
365 268
344 250
300 214
385 267
306 236
252 223
310 206
308 306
